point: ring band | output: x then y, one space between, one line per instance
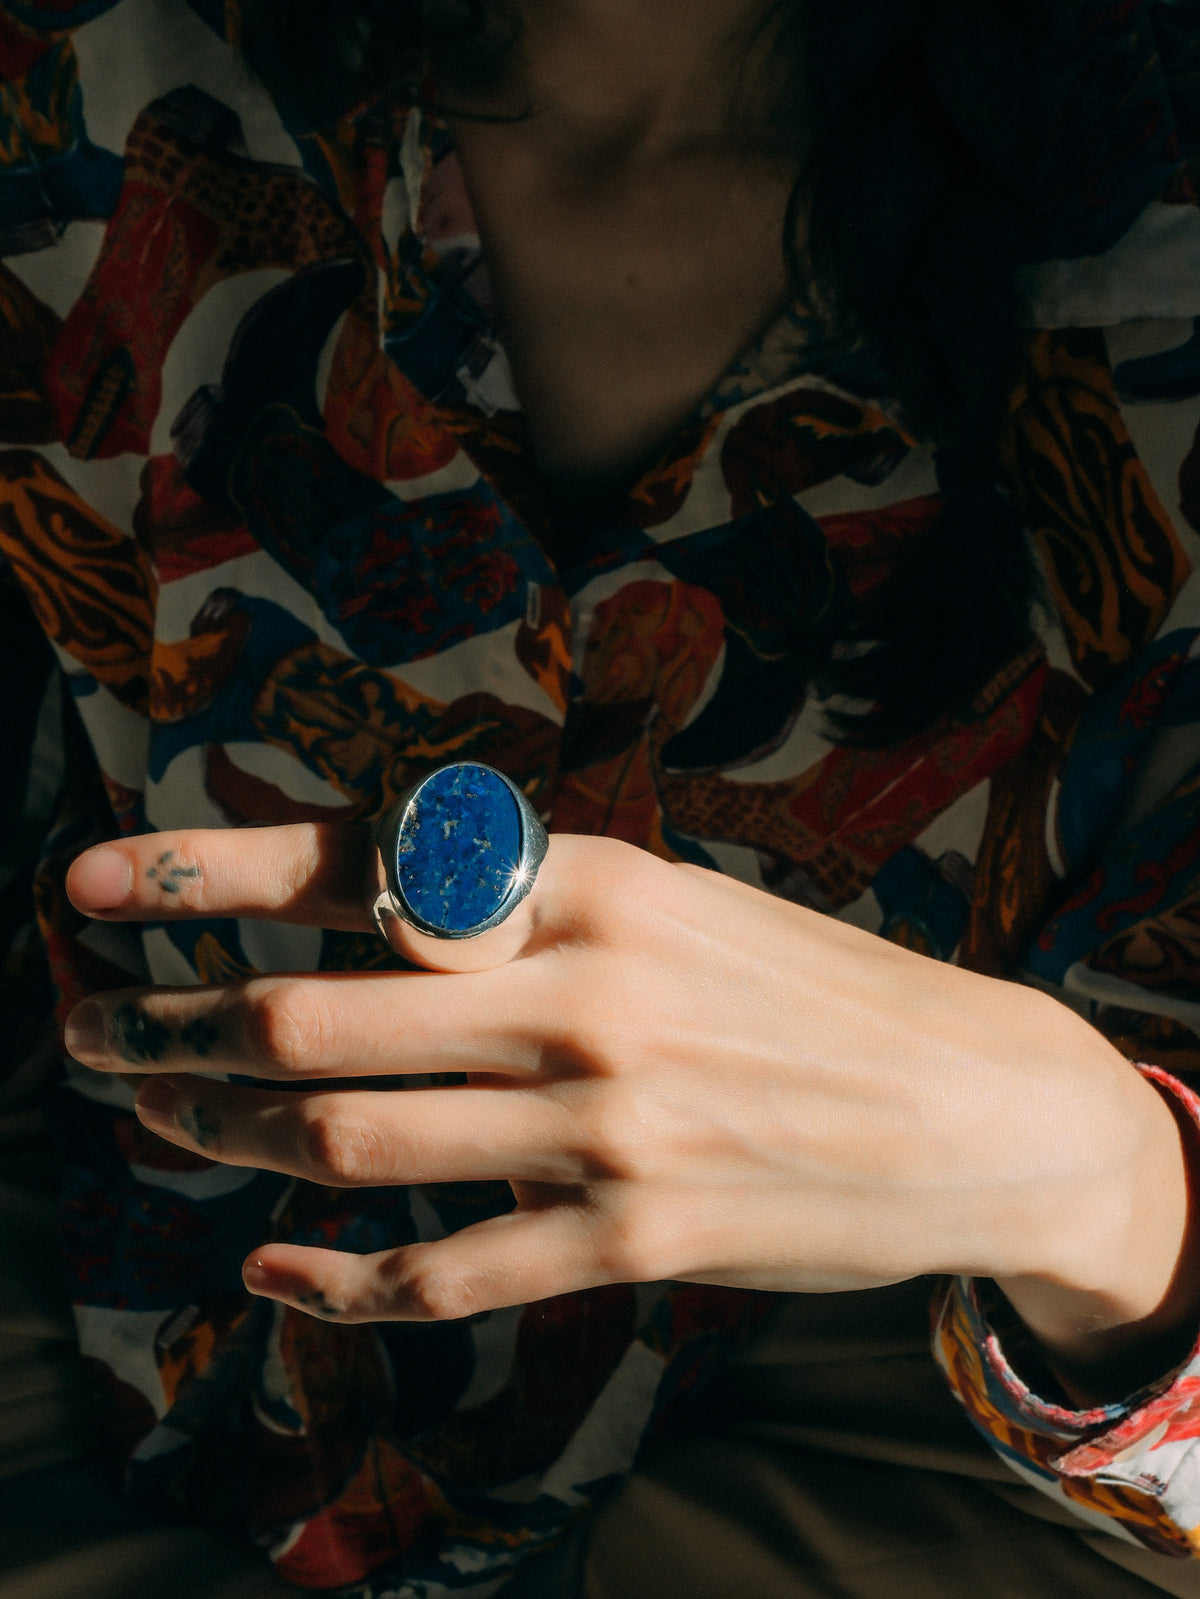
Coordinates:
458 852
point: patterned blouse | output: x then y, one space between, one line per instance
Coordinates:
267 488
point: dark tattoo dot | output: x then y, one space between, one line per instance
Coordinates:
200 1035
169 878
136 1036
200 1125
318 1304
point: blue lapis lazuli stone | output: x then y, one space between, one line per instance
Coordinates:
459 848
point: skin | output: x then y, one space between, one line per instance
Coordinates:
681 1077
634 243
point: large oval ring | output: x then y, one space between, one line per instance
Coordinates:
458 852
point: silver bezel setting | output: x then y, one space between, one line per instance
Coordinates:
392 899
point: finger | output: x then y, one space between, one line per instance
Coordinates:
309 874
286 1027
509 1260
327 875
366 1138
578 895
526 927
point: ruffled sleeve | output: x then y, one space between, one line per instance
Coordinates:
1134 1466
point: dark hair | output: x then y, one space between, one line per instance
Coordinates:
906 118
912 194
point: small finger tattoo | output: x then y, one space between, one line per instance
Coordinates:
200 1035
136 1036
200 1125
317 1304
170 878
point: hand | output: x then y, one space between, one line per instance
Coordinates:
679 1075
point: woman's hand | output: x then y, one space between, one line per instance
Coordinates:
679 1075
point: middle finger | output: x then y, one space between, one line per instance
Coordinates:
328 1025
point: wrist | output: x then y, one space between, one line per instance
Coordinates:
1118 1302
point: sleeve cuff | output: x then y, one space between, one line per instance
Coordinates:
1136 1462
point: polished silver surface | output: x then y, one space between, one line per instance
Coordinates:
457 853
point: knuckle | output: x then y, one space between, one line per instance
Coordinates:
617 1040
628 1249
592 1034
437 1295
613 1137
605 880
287 1025
638 881
573 1035
299 863
339 1150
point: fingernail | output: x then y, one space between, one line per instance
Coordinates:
101 880
84 1033
257 1278
155 1103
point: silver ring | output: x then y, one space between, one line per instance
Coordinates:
457 853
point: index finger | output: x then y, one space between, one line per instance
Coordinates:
311 874
327 874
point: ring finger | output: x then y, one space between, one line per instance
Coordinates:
365 1138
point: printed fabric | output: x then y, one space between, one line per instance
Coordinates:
267 489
